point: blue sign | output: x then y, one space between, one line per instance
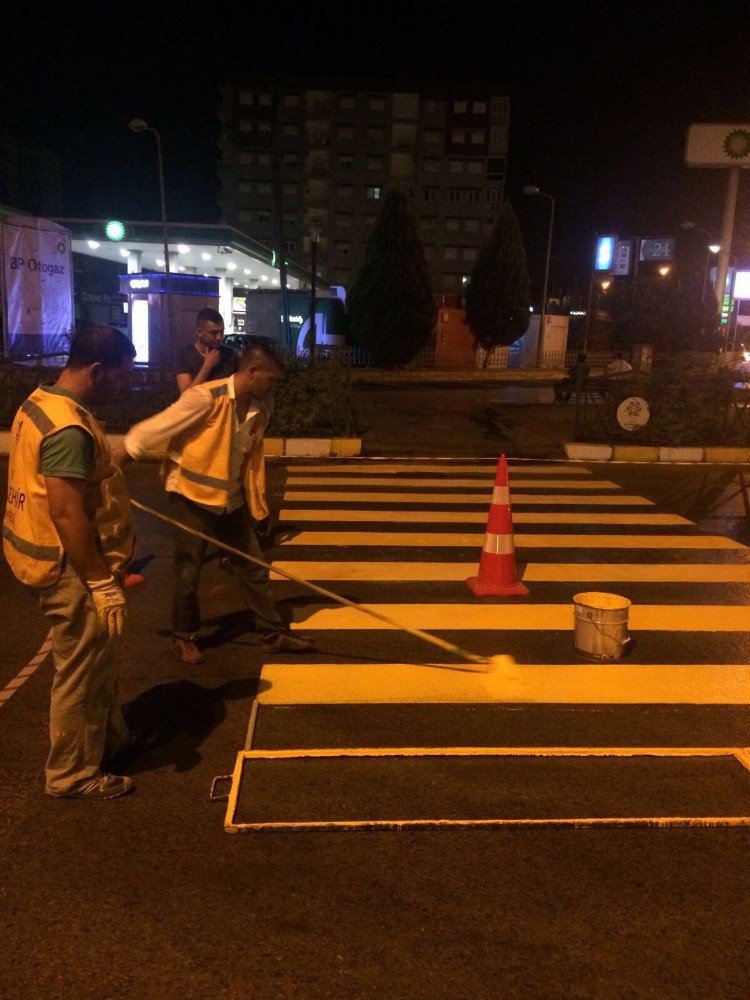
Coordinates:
658 250
605 253
178 284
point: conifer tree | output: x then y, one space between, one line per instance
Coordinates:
391 304
499 292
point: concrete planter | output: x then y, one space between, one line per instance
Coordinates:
589 452
312 447
680 454
732 456
635 453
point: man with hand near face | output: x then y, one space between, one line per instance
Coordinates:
207 358
215 481
68 535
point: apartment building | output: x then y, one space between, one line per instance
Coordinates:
323 157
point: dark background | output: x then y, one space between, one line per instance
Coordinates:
601 99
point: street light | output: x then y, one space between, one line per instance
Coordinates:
139 125
532 189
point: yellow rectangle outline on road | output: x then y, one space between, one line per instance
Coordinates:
289 514
617 683
557 484
565 499
523 617
451 572
243 756
438 539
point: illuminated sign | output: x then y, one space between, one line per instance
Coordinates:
115 230
139 282
605 253
622 256
742 285
659 250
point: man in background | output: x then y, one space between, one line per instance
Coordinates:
68 535
207 358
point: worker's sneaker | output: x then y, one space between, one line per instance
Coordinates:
106 786
285 642
186 650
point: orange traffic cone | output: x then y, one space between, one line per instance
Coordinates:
496 575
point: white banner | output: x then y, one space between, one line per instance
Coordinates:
718 146
37 285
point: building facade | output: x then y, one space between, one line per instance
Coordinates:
322 158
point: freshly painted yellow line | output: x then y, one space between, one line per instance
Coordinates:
538 572
524 617
557 484
568 499
489 468
548 751
478 517
638 572
565 684
412 539
582 822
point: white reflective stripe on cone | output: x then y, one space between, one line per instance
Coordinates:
501 494
498 545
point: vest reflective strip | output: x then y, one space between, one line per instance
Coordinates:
198 477
498 545
501 494
44 553
219 390
37 416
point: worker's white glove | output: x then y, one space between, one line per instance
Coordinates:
109 603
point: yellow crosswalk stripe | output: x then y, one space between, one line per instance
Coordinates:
377 467
408 683
523 617
544 499
408 539
531 572
449 483
478 517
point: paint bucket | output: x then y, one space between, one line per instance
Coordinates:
601 625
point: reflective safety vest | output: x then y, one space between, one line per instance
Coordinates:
30 540
204 456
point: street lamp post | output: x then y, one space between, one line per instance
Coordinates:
532 189
139 125
711 248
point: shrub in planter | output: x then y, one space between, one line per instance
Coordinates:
311 398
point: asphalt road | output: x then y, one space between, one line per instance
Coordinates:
148 896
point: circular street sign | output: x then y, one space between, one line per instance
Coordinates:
633 413
115 230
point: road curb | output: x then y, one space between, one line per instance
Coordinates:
662 455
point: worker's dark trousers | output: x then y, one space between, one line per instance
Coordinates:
235 529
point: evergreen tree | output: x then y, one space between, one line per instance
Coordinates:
391 304
499 292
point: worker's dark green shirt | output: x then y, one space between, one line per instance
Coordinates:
68 454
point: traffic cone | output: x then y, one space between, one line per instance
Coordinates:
496 576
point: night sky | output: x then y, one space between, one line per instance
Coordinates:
600 99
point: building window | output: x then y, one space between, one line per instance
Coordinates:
290 218
459 107
456 166
469 253
471 225
246 98
342 249
370 220
479 108
432 136
264 159
430 166
344 221
495 169
264 218
454 194
245 215
289 159
375 134
346 132
429 221
245 187
450 253
498 140
473 195
493 195
290 100
377 104
452 225
346 102
458 136
290 188
404 135
290 130
345 162
432 107
475 166
374 163
290 246
246 126
477 136
264 100
263 187
373 193
344 191
430 194
246 158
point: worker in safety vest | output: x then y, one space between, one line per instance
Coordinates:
215 480
68 534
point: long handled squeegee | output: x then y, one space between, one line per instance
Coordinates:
480 664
